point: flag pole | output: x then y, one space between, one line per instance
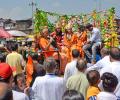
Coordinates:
32 4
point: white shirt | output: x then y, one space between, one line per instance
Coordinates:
114 68
19 96
104 62
48 87
70 69
106 96
96 35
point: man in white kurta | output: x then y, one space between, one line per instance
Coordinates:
104 62
48 87
70 68
114 67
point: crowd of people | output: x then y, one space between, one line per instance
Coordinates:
61 66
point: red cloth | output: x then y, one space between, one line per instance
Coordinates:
5 70
4 34
59 39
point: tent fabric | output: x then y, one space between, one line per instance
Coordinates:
16 33
4 34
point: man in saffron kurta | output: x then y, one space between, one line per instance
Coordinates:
81 39
45 44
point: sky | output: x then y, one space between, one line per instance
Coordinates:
20 9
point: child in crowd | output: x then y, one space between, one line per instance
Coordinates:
19 81
72 95
109 82
38 69
93 77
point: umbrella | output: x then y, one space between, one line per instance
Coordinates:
16 33
30 38
4 34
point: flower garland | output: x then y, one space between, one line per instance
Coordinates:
104 20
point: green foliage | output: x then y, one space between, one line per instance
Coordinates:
41 20
103 20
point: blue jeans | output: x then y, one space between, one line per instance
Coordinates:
86 49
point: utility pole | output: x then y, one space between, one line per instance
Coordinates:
32 4
100 5
96 5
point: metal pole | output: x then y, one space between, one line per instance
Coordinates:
96 5
100 5
32 4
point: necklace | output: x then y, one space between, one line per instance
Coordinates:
68 37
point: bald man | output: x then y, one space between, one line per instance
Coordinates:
79 81
50 86
104 62
5 92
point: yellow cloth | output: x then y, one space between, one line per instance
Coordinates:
78 82
15 61
92 91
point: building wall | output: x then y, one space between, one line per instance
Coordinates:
21 25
